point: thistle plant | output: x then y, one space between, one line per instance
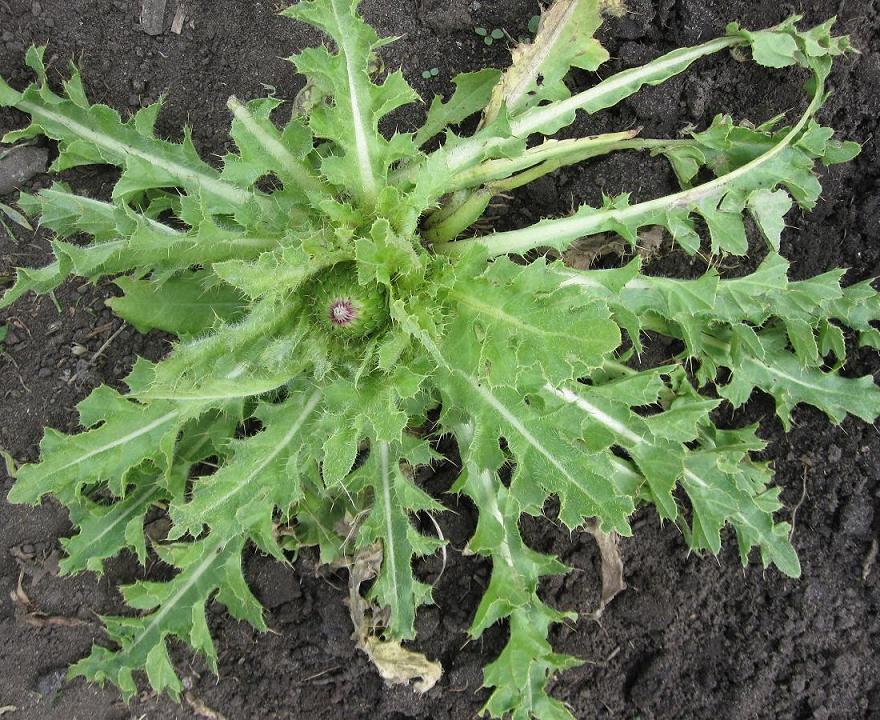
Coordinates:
339 306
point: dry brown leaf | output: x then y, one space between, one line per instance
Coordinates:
584 252
399 666
396 664
612 566
202 710
27 614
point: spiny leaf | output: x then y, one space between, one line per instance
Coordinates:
516 324
395 496
182 305
351 120
782 375
95 134
127 433
472 92
564 40
547 459
208 568
724 486
104 530
268 425
260 475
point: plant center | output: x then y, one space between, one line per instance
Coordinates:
342 311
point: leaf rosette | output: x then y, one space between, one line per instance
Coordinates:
324 324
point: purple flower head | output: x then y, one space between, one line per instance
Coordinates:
342 312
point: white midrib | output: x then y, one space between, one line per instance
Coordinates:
120 441
517 425
362 145
642 282
530 121
170 604
218 187
537 62
697 480
601 417
269 457
390 557
786 376
101 207
533 120
499 314
555 233
135 499
285 159
486 481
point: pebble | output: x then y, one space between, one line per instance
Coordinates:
51 682
834 453
36 8
11 339
21 165
45 372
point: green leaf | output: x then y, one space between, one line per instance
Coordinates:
744 160
547 460
127 433
263 150
96 135
104 530
394 497
773 49
769 208
520 675
207 568
351 120
15 216
259 476
472 93
516 324
724 486
184 305
536 75
782 375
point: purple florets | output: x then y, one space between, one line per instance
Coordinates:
342 312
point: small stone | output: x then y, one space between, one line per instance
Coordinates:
11 339
36 8
6 36
44 372
153 16
834 453
20 165
133 100
51 682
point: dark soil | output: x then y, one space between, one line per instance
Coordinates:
692 637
